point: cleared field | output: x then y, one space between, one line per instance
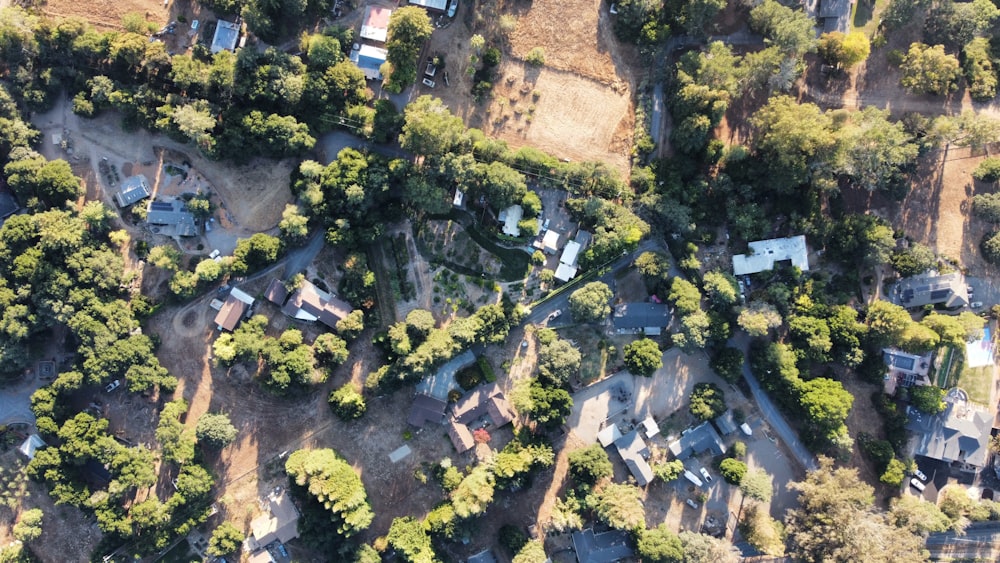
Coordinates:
976 382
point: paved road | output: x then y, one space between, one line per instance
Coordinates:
980 540
656 119
769 411
15 401
299 258
332 143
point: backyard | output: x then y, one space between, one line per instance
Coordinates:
600 356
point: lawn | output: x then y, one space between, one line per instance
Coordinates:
975 381
865 15
594 348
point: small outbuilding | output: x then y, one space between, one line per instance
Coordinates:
550 242
226 36
31 445
134 188
764 253
375 26
370 60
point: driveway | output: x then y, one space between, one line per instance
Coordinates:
15 401
332 143
985 291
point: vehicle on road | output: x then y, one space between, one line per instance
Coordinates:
554 314
113 385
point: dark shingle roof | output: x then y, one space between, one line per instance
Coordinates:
641 315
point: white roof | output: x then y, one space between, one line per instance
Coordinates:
652 429
226 35
570 253
608 436
376 23
764 253
439 5
565 273
241 296
511 217
31 445
551 241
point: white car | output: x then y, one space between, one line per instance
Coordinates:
452 8
704 473
920 475
917 485
555 314
113 385
692 504
976 304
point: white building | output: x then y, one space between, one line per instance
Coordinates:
764 253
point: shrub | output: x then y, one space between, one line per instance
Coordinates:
535 57
215 430
347 403
991 247
707 401
988 170
732 470
987 206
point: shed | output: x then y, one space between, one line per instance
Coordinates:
608 435
565 273
431 5
230 314
375 26
459 198
30 445
510 217
651 427
226 36
134 188
276 292
725 423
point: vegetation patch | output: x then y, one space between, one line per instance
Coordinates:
599 355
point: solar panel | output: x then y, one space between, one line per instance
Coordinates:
161 206
940 294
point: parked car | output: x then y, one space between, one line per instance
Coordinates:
704 473
692 504
428 82
282 550
113 385
976 304
555 314
917 485
920 475
452 8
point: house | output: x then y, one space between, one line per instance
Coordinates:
550 242
483 406
650 426
375 26
279 524
632 318
764 253
233 309
439 6
697 440
606 547
226 36
634 453
835 15
370 60
905 369
608 435
276 292
510 217
960 435
564 272
31 445
171 218
726 423
134 188
426 409
310 303
931 288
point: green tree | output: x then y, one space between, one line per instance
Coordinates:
333 482
708 401
790 30
294 226
588 466
619 505
894 474
874 151
927 398
669 471
826 404
52 183
475 493
844 51
886 321
347 403
728 364
929 70
215 430
409 28
990 246
917 258
758 318
978 67
757 485
255 252
685 296
558 362
196 122
352 325
429 128
643 357
733 470
330 349
792 138
703 548
178 444
762 531
660 545
226 539
29 526
721 289
532 552
591 303
920 517
408 537
988 171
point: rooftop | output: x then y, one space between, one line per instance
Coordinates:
764 253
426 409
226 35
565 273
375 26
280 523
310 303
171 218
510 218
431 5
550 242
134 188
931 288
634 453
650 317
606 547
369 59
959 434
483 401
230 314
570 253
694 441
725 423
30 445
276 292
461 436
